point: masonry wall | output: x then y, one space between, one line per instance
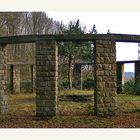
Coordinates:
46 78
105 77
3 80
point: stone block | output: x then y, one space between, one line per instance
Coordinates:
101 93
98 78
100 60
46 96
46 103
46 111
100 100
101 84
110 84
99 50
100 73
107 66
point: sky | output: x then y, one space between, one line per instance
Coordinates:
116 22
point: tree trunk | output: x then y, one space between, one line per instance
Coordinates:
70 72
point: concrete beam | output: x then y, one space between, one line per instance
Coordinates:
129 61
69 37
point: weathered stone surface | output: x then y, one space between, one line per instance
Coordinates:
3 80
99 73
46 111
105 77
46 78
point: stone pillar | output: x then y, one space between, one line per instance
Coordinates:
105 78
46 78
137 70
120 77
16 78
137 74
11 78
33 77
77 76
3 80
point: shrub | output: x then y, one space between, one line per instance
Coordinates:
90 109
88 83
64 84
129 87
26 86
137 86
132 87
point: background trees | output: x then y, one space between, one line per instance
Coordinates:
26 23
72 52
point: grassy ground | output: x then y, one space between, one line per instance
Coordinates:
71 114
76 92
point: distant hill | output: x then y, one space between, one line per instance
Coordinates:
128 76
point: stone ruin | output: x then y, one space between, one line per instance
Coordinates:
107 72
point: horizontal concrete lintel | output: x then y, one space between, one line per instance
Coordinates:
131 61
84 63
20 63
69 37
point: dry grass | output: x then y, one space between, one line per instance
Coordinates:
71 114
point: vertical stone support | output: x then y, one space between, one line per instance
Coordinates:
120 77
33 77
137 74
11 78
137 70
46 78
16 78
105 77
77 75
3 80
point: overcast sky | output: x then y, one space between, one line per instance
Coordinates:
116 22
